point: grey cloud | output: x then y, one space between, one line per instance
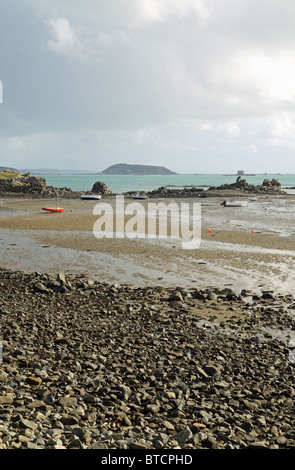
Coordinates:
157 79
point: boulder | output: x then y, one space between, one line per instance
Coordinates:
101 188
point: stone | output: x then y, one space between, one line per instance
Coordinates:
176 297
39 287
26 423
6 399
183 436
3 375
168 425
69 420
68 401
153 408
259 445
61 278
211 296
101 188
34 380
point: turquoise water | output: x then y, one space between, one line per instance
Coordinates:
123 183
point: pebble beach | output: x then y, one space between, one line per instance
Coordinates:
139 344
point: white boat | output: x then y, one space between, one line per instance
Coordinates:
139 196
233 203
91 196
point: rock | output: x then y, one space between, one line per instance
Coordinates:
213 370
101 188
160 440
68 401
75 444
69 420
26 423
168 425
259 445
3 375
176 297
138 445
34 380
183 436
153 408
39 287
211 296
61 278
6 399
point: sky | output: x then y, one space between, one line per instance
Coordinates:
197 86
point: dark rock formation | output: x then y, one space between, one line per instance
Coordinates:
168 192
14 184
270 186
101 188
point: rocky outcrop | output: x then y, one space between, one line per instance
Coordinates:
34 187
15 183
268 186
101 188
168 192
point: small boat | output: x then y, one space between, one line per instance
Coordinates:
91 196
139 196
233 203
52 209
203 195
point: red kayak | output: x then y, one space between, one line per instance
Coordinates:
52 209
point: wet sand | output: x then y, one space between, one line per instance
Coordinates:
252 248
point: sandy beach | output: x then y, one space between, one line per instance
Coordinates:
251 247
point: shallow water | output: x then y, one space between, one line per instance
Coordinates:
216 264
239 269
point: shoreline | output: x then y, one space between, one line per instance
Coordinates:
229 251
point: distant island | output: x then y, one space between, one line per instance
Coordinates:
126 169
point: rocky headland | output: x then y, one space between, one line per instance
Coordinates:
240 187
88 365
16 184
268 186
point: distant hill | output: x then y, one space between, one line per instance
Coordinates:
55 171
126 169
3 168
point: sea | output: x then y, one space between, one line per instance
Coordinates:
124 183
161 261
